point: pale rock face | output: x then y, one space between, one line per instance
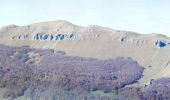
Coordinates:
151 50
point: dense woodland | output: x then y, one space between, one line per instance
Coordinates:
49 75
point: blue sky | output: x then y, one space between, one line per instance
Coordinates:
143 16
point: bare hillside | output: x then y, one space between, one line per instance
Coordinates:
151 50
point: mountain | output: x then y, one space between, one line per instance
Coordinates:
150 50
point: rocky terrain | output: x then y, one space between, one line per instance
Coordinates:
70 61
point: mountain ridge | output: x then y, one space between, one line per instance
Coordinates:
67 23
150 50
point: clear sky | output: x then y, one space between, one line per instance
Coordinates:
143 16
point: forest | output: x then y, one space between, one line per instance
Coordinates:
43 74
